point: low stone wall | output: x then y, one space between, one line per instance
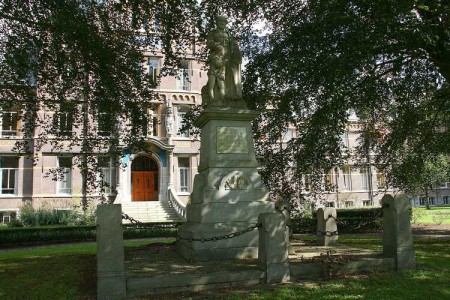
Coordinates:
274 264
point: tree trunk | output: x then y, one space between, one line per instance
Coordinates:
427 199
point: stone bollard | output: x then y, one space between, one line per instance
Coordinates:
272 251
111 283
397 234
327 234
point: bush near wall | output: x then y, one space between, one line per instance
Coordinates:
10 237
351 220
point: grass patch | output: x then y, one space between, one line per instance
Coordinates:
68 272
52 272
435 215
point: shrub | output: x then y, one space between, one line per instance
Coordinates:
353 220
47 217
68 234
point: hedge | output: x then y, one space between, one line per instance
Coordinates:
355 220
66 234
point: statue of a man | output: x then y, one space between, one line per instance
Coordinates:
225 58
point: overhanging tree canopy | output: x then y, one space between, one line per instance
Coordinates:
79 59
387 61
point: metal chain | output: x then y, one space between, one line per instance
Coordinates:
140 224
222 237
330 217
131 219
327 233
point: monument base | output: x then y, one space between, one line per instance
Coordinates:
228 194
243 246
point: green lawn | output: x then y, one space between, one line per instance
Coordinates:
68 272
435 215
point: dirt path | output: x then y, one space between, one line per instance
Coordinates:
431 229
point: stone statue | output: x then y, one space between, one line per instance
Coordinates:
224 87
169 120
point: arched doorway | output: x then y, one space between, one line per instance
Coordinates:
144 179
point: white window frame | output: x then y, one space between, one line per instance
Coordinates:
183 77
184 176
9 185
180 116
364 177
108 177
11 131
101 124
64 179
65 129
432 200
344 140
347 178
153 69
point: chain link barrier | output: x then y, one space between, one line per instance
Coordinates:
193 239
327 233
221 237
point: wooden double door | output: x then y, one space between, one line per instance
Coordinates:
144 185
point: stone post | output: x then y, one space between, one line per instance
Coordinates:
272 253
397 234
327 233
111 282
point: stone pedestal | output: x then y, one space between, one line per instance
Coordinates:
228 194
397 234
110 254
327 227
273 247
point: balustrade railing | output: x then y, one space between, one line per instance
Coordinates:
177 205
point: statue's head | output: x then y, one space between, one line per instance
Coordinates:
221 22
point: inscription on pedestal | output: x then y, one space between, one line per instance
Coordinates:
232 140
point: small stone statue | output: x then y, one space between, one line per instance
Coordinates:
169 120
224 87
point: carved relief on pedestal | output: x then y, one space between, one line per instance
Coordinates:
235 181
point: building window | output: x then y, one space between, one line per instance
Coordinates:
104 123
381 179
184 170
366 202
422 201
9 123
330 181
432 200
153 71
329 204
63 122
7 216
443 185
106 181
181 112
8 176
364 178
349 203
347 176
183 78
64 180
307 182
344 140
445 199
288 135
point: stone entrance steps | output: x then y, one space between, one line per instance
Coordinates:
151 211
